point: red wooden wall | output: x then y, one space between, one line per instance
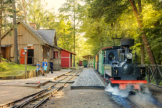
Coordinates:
65 58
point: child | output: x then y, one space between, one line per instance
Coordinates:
51 66
45 70
43 64
38 67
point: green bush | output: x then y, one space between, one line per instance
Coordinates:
4 67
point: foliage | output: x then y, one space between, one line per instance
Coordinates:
13 69
7 14
115 19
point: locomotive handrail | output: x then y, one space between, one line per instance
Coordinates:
154 74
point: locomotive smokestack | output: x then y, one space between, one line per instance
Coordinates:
127 42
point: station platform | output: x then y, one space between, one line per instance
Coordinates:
12 90
88 79
34 81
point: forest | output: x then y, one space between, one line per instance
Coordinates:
86 26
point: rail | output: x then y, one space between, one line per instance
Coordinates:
154 74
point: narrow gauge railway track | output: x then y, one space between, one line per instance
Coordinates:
142 103
125 102
35 100
133 102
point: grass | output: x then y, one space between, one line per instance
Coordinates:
13 69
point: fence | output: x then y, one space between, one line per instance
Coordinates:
154 74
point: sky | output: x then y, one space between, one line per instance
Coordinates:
56 4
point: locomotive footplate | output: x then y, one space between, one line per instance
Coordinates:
123 83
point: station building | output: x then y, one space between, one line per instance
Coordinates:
41 44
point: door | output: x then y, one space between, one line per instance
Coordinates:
30 56
3 50
22 56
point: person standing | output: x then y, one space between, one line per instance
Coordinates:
51 66
43 64
45 70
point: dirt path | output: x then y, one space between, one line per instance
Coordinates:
80 98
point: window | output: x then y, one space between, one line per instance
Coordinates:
111 56
55 54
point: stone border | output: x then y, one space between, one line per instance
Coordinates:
88 87
29 74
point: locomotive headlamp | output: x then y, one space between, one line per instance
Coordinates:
129 56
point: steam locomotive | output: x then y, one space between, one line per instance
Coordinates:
117 67
124 71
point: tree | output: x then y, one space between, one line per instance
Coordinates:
0 27
7 6
70 7
15 33
65 34
22 4
139 21
43 18
142 45
112 11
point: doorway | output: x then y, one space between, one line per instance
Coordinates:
5 53
30 56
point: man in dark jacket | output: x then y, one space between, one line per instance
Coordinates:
51 66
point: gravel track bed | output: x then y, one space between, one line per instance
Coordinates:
88 78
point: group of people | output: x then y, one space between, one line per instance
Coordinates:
43 70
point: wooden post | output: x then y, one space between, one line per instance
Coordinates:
89 60
49 59
25 65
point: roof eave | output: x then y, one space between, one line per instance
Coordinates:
57 47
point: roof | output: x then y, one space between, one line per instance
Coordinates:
87 57
107 47
68 51
44 36
110 47
34 32
47 35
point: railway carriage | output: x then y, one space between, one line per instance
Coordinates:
85 63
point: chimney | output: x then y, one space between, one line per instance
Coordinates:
33 25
